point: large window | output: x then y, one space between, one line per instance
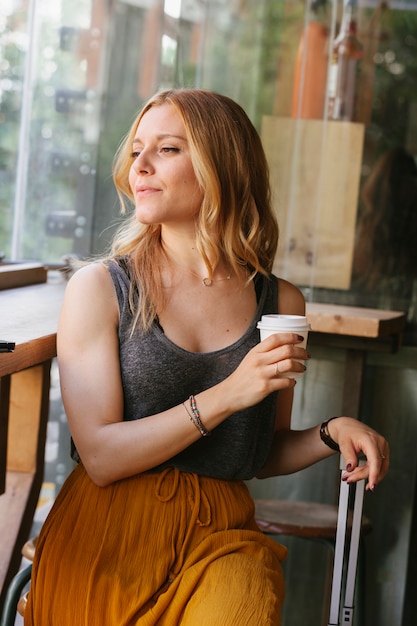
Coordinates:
72 75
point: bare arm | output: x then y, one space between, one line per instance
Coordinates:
88 355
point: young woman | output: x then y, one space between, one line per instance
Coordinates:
171 398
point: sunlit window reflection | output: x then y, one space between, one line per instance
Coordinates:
169 49
172 7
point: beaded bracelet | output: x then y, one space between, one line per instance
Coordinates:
195 417
326 437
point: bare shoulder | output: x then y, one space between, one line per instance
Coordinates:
290 298
92 281
90 297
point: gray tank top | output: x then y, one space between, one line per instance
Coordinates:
157 375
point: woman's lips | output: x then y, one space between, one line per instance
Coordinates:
143 191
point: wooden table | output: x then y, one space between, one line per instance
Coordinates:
359 331
28 317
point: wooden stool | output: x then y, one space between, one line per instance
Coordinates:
311 520
306 520
28 550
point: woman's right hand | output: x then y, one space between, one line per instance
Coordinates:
265 369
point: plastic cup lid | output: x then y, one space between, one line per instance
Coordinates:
296 322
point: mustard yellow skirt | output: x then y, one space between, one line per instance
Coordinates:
168 548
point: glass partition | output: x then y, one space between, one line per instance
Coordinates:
330 85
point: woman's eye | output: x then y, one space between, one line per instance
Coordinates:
165 150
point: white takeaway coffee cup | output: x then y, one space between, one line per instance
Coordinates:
275 323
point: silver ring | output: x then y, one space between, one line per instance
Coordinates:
383 456
277 372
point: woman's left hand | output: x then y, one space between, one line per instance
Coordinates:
354 438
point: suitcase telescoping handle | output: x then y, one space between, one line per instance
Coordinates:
347 611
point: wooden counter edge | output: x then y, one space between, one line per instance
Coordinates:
354 321
28 354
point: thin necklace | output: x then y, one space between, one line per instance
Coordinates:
206 281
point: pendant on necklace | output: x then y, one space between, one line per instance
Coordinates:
207 282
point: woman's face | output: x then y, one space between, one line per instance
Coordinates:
162 178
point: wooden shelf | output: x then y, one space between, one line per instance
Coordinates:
354 321
21 274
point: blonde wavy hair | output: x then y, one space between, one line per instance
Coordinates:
236 221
